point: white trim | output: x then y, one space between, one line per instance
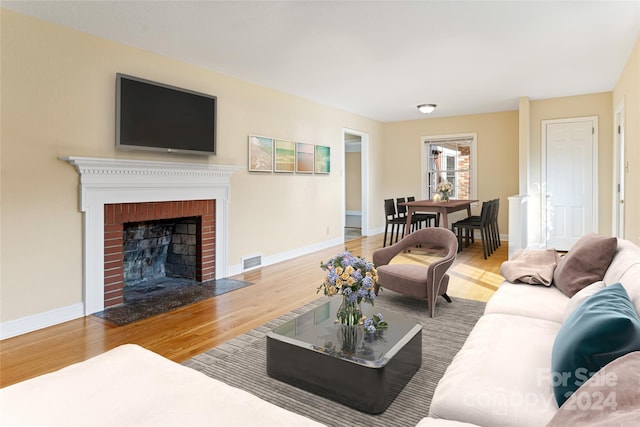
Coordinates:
543 168
105 181
618 211
285 256
27 324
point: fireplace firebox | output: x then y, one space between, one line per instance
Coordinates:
148 240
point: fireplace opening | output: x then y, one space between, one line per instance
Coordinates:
156 252
152 246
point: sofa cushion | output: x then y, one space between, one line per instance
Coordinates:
585 263
580 297
609 398
605 327
501 376
538 302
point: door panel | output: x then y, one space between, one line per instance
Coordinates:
570 182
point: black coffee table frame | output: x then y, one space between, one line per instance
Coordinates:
305 352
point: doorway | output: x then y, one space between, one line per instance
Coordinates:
570 171
355 184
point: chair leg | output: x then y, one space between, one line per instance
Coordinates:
459 239
492 238
483 236
446 297
384 241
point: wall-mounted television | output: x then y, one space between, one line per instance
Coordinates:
156 116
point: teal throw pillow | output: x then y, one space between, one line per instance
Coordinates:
604 327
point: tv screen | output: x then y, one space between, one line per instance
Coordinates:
155 116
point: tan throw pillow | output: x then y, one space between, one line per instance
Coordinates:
585 263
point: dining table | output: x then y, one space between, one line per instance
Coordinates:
442 209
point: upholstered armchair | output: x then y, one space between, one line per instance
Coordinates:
418 281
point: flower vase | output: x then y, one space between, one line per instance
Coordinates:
349 312
350 329
349 337
445 196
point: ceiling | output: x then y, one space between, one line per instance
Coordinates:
379 59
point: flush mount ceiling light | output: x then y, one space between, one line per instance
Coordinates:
426 108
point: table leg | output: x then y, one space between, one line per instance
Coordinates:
407 228
445 219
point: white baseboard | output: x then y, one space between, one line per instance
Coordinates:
273 259
374 231
21 326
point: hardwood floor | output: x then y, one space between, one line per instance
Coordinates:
187 331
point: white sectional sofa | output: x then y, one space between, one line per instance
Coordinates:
504 374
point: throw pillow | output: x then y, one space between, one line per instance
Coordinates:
585 263
580 297
605 327
608 398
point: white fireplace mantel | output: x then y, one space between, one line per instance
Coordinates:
105 181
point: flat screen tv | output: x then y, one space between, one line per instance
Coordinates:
156 116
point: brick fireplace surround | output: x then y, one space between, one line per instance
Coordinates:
108 187
117 214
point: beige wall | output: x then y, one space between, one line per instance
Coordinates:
58 99
497 135
627 93
598 105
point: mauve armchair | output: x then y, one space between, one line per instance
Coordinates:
418 281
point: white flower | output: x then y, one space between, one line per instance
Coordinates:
444 187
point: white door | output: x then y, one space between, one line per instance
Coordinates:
571 181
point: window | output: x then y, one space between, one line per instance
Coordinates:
450 158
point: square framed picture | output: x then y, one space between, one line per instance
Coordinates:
260 154
304 157
285 155
322 159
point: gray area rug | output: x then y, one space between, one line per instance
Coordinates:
241 362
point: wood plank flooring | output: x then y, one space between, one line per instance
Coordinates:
187 331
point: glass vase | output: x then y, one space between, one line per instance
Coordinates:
349 312
445 196
349 337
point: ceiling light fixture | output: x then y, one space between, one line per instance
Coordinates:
426 108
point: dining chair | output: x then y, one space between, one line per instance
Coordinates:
481 223
392 220
494 223
427 218
402 213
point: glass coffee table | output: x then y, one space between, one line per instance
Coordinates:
308 352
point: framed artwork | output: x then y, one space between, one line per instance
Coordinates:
323 159
285 155
304 157
260 154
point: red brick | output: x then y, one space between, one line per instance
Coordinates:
109 214
114 287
